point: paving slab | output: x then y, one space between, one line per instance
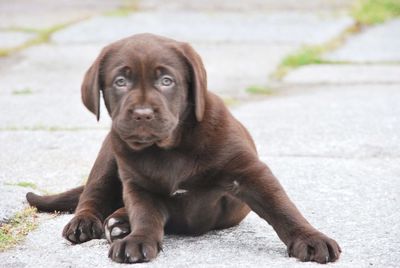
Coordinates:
9 39
359 121
344 74
47 68
59 68
12 200
229 76
41 14
337 145
284 27
249 5
375 44
221 38
38 111
52 161
354 207
52 77
221 42
335 148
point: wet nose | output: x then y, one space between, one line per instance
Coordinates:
142 114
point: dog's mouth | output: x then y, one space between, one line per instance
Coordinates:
141 136
142 140
139 143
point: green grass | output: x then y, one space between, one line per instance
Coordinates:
369 12
24 91
259 90
305 56
26 184
17 228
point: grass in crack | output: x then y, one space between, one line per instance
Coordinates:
15 230
27 184
369 12
41 36
308 55
259 90
127 8
24 91
305 56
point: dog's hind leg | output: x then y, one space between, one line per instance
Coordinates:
63 202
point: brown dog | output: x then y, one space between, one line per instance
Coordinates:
175 160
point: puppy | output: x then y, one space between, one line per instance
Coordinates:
174 161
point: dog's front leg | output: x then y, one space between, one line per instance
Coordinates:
253 182
101 196
147 217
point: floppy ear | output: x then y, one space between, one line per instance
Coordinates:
92 85
198 78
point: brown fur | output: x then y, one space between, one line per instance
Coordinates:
168 136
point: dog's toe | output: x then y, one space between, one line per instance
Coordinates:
116 228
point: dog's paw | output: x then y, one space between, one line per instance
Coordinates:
134 249
83 228
116 227
314 247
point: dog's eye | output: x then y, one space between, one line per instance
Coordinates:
167 81
120 82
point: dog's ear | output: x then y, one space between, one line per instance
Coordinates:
198 78
92 84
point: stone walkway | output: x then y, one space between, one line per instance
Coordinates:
331 136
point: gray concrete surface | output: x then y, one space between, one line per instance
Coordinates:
221 38
39 14
10 39
344 74
331 136
21 19
377 44
51 160
335 150
246 6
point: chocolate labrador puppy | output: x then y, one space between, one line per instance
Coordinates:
175 160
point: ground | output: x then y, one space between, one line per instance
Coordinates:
329 132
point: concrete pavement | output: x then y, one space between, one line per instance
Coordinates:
338 160
331 136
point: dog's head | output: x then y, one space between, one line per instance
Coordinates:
149 84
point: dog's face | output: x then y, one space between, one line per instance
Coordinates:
149 84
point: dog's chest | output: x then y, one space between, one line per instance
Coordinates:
163 172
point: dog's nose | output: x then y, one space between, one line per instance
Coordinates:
142 114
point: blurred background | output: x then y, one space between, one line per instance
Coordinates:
317 82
